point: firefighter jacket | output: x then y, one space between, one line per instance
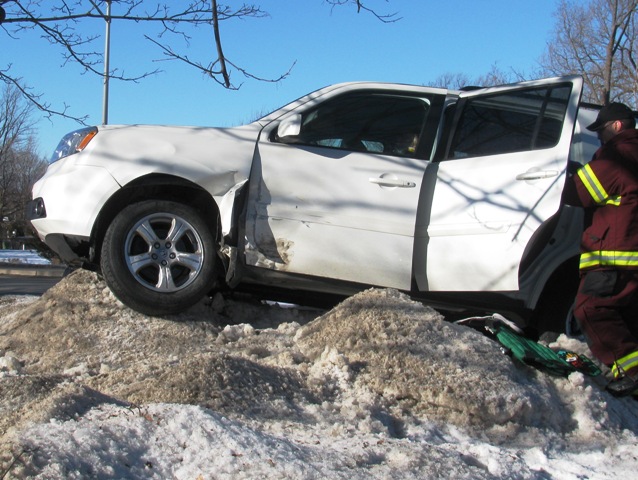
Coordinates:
607 187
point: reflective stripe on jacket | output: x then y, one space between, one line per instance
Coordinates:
595 188
608 189
625 363
608 258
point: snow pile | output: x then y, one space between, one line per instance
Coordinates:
410 359
378 387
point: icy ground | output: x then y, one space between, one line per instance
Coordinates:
22 256
378 387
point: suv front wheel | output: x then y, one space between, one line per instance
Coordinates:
158 257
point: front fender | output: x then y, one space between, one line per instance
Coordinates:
215 159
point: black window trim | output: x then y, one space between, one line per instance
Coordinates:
431 124
443 152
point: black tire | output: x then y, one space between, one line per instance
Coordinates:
158 257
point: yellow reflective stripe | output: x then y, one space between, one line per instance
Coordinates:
592 184
625 363
609 258
595 188
614 200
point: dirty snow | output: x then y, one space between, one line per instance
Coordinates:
378 387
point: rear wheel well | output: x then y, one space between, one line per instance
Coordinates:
553 307
153 187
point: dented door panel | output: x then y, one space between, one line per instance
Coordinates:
330 214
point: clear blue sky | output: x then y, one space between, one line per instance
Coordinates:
432 38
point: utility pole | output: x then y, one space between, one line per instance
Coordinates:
107 57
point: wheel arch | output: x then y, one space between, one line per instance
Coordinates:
149 187
548 273
556 298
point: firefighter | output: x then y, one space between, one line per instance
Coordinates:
606 305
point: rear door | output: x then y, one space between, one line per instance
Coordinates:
498 175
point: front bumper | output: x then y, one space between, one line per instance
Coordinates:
71 249
66 203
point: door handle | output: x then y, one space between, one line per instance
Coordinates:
392 182
537 174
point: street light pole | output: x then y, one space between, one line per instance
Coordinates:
107 55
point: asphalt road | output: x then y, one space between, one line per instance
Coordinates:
25 284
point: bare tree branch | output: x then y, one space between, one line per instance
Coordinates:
218 43
495 76
597 40
214 72
57 22
20 166
35 99
385 18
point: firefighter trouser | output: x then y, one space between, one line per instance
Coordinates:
607 310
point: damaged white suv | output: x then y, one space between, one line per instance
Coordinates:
452 196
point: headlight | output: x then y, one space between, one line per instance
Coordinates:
73 142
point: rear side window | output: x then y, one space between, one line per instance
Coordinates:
524 120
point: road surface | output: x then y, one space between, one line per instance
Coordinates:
25 285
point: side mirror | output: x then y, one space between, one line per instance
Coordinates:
289 127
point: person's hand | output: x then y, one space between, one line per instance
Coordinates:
572 167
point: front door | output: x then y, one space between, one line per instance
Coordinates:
339 198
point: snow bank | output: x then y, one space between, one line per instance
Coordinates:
378 387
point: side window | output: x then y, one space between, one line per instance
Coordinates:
510 122
371 122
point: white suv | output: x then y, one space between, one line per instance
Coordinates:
452 196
